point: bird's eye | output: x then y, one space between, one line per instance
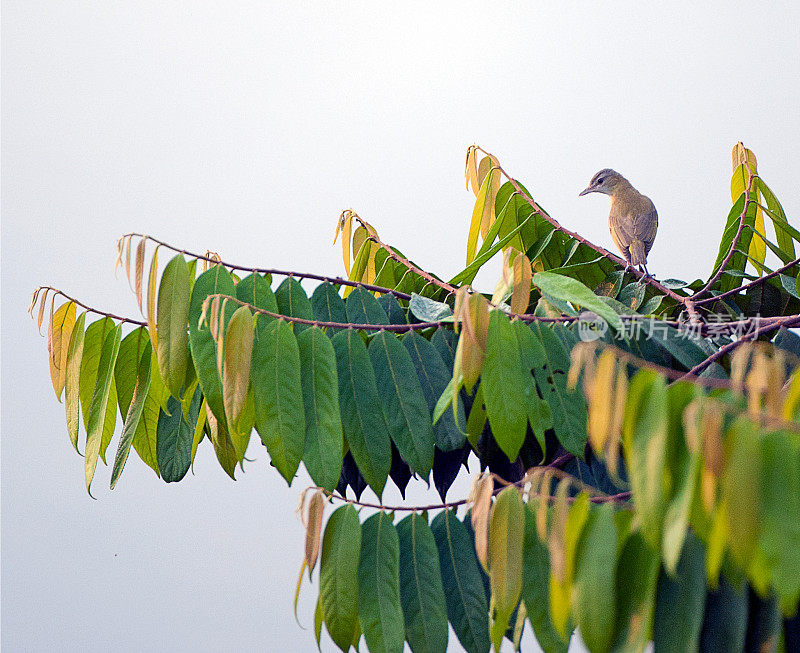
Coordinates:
600 180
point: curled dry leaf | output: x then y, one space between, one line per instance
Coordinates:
313 523
120 249
481 495
128 260
40 317
139 271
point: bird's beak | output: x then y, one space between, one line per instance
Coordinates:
585 191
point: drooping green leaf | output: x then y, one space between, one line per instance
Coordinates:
328 305
724 619
780 497
407 413
434 376
93 341
278 394
540 415
362 418
680 600
637 573
99 420
363 308
338 575
467 608
72 383
536 588
741 489
236 372
783 231
173 315
293 301
503 386
506 536
568 407
393 309
645 433
594 594
324 444
571 290
216 280
175 436
421 590
134 351
379 608
255 290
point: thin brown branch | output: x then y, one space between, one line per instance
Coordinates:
752 284
742 216
56 291
687 303
555 465
773 325
396 328
282 273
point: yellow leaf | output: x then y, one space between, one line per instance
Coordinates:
139 271
521 292
792 397
471 169
599 422
488 214
316 508
475 223
61 325
346 231
471 347
481 496
236 367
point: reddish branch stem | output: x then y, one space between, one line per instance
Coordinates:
773 325
745 287
715 277
685 301
282 273
129 320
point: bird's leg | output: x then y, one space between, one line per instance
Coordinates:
646 273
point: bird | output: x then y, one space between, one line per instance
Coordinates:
633 220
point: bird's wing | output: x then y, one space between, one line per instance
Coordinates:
645 222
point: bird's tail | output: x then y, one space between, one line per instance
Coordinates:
638 253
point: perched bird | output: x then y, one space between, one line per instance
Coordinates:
633 220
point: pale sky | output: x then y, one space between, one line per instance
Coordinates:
245 128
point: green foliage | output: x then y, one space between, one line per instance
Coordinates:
637 507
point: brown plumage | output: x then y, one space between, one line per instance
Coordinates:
633 220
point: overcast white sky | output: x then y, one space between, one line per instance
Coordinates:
246 127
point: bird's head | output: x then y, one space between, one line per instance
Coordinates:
605 181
